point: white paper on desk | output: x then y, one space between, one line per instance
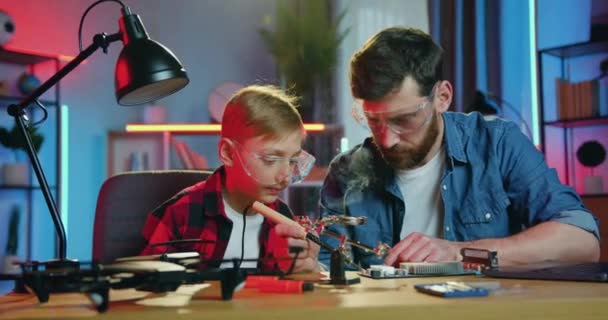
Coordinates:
178 298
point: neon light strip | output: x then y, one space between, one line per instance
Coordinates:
202 128
533 72
314 127
174 127
65 164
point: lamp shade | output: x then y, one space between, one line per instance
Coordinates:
146 71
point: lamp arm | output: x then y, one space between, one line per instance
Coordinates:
17 111
101 40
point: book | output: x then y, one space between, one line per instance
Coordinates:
182 153
199 162
190 159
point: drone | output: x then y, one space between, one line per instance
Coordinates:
168 271
159 273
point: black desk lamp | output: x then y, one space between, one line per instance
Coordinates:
145 71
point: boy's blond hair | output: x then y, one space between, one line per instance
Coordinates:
267 110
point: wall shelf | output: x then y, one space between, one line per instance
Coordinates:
23 57
578 49
34 243
155 141
579 104
576 123
598 195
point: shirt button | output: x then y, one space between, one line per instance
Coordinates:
444 187
447 229
488 216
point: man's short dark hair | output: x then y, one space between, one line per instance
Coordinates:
391 55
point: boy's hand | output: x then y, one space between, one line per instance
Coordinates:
296 237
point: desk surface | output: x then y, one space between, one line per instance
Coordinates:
370 300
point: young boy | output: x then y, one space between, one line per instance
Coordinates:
260 148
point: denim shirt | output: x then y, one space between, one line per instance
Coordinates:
495 184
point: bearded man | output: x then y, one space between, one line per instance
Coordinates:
431 182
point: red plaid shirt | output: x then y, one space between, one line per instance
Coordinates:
197 212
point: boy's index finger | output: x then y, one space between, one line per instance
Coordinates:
288 230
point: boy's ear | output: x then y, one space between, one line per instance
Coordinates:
226 152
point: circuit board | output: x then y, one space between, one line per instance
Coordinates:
416 270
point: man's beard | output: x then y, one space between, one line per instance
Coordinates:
405 158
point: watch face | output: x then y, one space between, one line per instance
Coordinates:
218 98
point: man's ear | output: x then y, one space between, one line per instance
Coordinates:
226 152
444 95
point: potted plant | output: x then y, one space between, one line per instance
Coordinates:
10 253
16 174
304 42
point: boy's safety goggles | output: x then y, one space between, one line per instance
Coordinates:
264 168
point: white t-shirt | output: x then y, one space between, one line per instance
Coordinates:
422 197
252 236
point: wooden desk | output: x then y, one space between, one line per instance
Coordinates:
370 300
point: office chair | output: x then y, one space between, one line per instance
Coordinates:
123 204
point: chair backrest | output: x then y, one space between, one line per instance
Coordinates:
123 204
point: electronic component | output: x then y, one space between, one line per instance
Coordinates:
432 268
416 269
451 289
478 259
383 272
474 260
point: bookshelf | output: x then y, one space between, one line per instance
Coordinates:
573 108
158 142
35 218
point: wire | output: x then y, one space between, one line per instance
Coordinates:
243 236
512 109
45 115
44 111
293 263
124 8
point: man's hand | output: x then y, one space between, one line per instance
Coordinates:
296 237
417 247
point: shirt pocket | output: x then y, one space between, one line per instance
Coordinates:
485 216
